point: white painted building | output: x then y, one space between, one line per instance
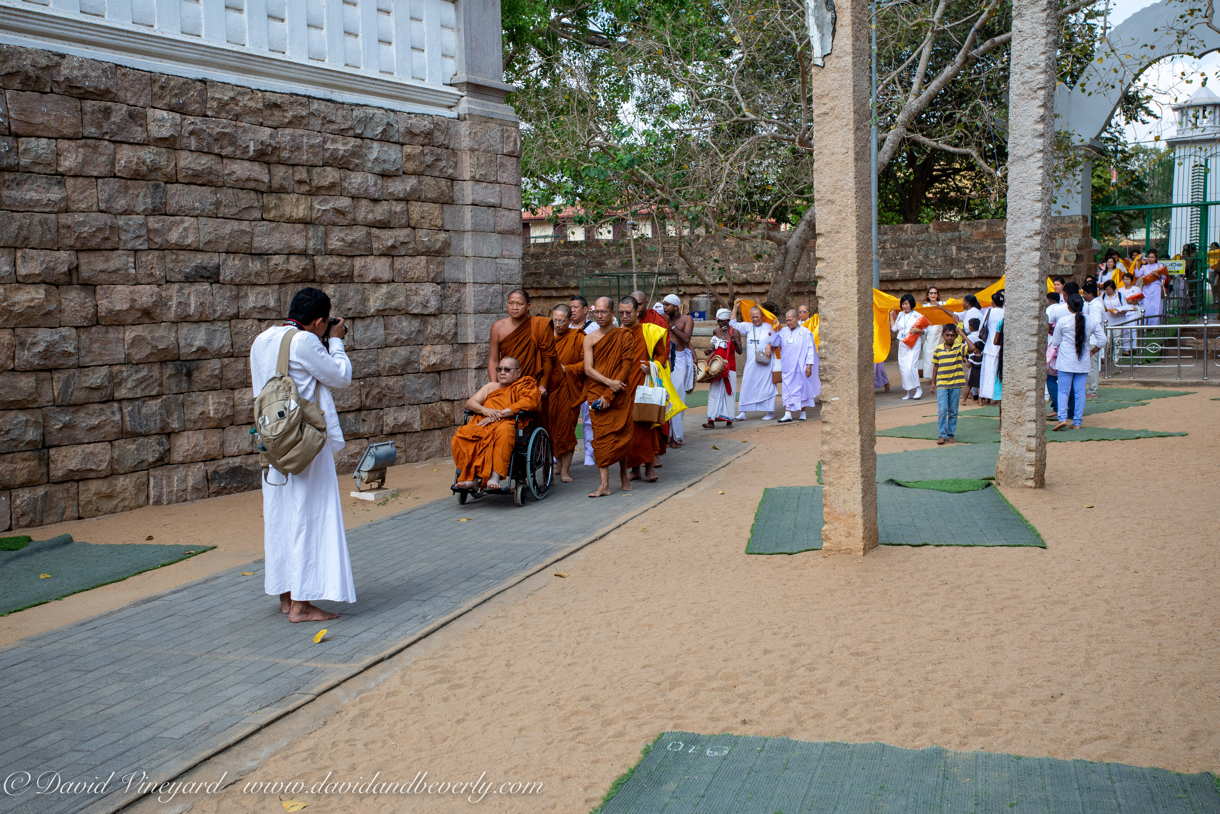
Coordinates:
1196 169
440 57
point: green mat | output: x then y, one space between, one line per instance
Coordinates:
982 430
954 485
974 461
789 519
1139 393
74 567
1090 408
685 773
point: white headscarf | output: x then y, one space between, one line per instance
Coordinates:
724 313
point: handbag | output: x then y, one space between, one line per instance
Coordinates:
650 399
921 324
984 328
777 376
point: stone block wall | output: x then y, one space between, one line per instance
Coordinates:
960 257
152 225
552 271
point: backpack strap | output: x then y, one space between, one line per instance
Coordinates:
281 364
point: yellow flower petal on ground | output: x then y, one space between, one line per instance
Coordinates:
247 573
293 805
463 519
721 492
317 638
561 574
44 576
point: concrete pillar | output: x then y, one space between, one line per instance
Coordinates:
1031 88
480 62
845 272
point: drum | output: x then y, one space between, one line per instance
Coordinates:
712 368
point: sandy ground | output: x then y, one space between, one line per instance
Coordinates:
241 516
1102 646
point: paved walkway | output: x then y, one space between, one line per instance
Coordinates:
159 685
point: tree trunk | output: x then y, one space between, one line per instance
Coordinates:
788 257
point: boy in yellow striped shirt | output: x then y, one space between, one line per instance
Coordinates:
949 374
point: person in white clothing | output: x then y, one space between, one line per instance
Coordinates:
1117 309
303 537
909 355
681 326
991 351
1076 338
1153 276
1094 310
931 335
1133 295
757 389
799 360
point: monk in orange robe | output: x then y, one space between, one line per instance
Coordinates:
610 358
484 447
661 356
527 339
648 441
566 389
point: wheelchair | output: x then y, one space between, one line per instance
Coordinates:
530 469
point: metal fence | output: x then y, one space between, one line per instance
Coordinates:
619 284
1147 343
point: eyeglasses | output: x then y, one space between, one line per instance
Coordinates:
505 369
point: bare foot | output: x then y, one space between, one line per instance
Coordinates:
307 612
626 484
634 475
464 484
653 479
565 478
603 491
493 486
285 601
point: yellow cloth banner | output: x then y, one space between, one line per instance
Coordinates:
652 335
882 303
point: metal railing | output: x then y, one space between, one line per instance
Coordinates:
1148 343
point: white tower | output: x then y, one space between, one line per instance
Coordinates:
1196 170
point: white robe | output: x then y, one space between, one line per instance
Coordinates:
757 389
719 401
908 358
991 354
303 537
931 339
683 379
797 352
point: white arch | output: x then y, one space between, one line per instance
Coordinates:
1146 37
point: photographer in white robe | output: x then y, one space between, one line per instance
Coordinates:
303 537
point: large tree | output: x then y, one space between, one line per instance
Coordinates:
699 111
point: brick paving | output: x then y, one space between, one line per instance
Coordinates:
159 685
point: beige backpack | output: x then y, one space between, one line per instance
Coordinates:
290 430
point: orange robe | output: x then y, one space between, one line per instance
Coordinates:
647 441
613 357
532 344
479 451
564 394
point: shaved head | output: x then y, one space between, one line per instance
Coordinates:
639 296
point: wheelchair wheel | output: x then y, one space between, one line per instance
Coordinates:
539 463
519 494
462 498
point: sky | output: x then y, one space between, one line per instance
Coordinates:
1165 79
